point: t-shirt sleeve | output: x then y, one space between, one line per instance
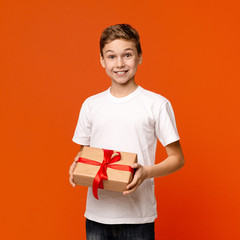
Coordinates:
166 130
83 128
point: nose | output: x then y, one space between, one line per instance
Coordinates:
120 62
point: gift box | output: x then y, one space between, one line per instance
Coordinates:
106 169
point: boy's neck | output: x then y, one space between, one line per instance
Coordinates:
119 91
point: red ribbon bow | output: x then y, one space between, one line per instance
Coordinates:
101 175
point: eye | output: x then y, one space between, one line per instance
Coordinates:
111 57
127 55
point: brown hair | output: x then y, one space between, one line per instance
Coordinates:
120 31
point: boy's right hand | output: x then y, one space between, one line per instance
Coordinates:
71 169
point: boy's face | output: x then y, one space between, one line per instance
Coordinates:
120 60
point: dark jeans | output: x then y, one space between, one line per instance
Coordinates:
99 231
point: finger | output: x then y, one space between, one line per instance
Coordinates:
71 181
72 167
130 190
136 165
133 183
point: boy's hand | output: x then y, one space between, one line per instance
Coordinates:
139 176
72 168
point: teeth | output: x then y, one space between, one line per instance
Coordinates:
120 72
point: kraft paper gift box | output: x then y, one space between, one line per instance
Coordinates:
91 166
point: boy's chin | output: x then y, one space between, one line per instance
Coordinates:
122 83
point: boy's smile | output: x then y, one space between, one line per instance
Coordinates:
120 60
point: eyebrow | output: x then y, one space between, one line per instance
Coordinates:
126 49
109 51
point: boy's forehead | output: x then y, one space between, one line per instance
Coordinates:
119 45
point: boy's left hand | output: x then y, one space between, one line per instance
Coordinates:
139 176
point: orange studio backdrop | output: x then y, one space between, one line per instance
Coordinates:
49 64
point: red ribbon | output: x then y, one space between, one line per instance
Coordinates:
101 175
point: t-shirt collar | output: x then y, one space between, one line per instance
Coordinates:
126 98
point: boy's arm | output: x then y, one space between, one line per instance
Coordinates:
73 166
172 163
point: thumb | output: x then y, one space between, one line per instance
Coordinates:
136 165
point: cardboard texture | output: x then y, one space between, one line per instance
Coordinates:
117 181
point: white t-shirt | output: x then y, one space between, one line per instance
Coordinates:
129 124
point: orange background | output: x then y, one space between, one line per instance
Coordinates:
50 63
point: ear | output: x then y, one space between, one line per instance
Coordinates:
102 61
140 59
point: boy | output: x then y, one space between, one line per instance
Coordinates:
127 118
